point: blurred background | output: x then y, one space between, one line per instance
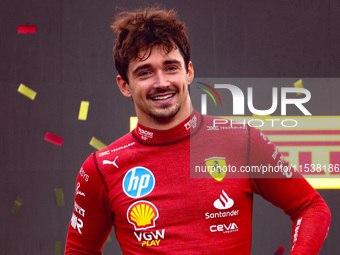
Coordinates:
68 59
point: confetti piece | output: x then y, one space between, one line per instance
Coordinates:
133 123
16 206
59 194
26 91
109 239
97 144
84 107
54 139
298 84
27 29
280 250
58 248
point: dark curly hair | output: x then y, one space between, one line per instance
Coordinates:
139 31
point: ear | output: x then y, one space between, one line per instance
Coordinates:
190 72
124 87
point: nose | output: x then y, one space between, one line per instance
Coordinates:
162 80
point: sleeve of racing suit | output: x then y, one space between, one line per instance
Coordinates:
91 221
290 192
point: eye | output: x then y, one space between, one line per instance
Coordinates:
144 73
172 68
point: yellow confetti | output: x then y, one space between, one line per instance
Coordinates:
261 117
109 239
97 144
27 91
58 248
16 206
133 123
59 194
298 84
84 107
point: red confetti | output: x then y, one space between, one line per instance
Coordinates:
280 250
52 138
27 29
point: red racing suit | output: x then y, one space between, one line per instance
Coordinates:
189 190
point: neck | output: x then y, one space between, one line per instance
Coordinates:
182 131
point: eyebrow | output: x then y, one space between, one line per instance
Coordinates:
172 61
141 67
146 66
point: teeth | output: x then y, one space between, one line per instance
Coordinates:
162 97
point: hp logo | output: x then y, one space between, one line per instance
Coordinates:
138 182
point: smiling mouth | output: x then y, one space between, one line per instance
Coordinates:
157 98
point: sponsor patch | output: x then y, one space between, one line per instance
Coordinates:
138 182
142 215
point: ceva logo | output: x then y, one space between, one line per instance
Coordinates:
138 182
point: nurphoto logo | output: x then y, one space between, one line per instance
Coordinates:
238 99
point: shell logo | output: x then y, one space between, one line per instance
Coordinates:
142 215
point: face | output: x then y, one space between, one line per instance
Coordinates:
158 86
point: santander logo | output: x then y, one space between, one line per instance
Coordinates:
224 202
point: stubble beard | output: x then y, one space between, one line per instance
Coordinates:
165 113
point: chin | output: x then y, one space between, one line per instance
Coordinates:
166 114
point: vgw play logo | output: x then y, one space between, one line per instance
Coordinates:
239 99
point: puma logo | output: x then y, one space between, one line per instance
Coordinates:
108 162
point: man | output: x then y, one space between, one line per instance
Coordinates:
146 184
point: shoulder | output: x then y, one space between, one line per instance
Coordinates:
115 156
104 156
122 143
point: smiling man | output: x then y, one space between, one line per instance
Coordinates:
141 185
